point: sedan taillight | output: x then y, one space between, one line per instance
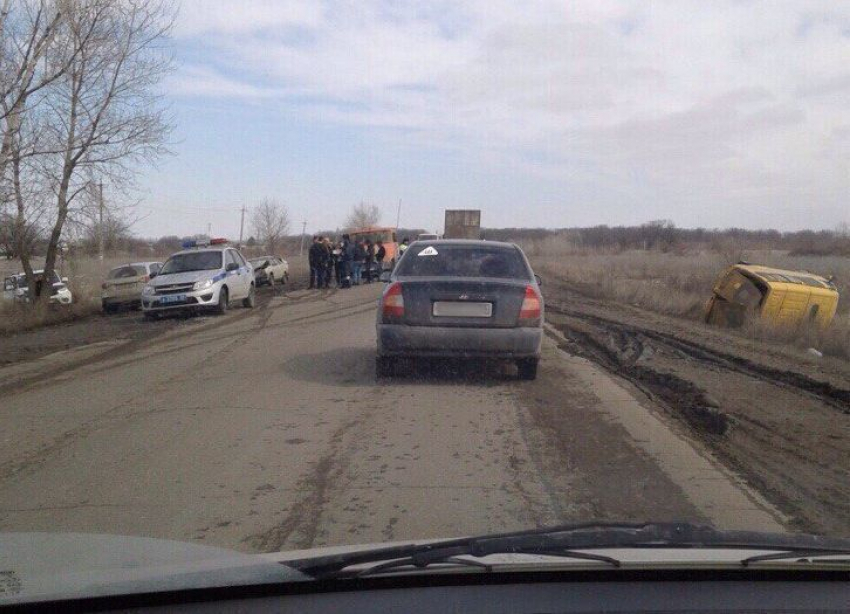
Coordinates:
104 286
392 305
531 309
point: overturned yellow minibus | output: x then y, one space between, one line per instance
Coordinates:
781 298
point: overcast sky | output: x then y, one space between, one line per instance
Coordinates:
539 113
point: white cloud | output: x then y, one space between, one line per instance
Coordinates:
721 100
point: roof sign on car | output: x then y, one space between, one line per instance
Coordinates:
428 251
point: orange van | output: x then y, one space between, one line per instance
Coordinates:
387 235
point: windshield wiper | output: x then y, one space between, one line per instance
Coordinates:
801 555
570 541
451 556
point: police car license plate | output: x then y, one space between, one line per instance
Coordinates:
173 298
462 309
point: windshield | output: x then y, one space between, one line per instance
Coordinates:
127 271
442 260
192 261
633 307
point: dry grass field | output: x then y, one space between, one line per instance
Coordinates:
679 284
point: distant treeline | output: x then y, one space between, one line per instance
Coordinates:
665 236
659 235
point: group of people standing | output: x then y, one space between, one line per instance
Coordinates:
348 263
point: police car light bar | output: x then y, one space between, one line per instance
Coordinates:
203 243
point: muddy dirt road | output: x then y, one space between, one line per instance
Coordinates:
780 422
266 429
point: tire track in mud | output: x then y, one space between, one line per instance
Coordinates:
302 526
37 457
787 444
313 318
263 312
33 459
679 396
833 396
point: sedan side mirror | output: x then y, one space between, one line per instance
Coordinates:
385 276
153 274
232 266
538 280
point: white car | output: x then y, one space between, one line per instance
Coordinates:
205 276
270 270
15 288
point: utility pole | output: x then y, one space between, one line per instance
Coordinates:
100 223
209 229
303 231
241 225
398 214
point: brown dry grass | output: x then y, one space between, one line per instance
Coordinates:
680 284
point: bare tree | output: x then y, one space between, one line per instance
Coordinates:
30 60
363 215
99 117
270 222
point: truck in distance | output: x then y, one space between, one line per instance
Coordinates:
462 224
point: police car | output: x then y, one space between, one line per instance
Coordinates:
206 275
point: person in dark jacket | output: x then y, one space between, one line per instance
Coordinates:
346 258
329 262
357 263
318 257
369 263
311 260
380 254
336 252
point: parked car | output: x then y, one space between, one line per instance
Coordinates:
206 275
461 298
270 270
15 288
124 284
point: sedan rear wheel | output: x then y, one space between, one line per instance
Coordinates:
271 280
527 368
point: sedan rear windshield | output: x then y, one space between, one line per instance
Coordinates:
463 261
195 261
127 271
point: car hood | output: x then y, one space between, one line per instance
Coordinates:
37 567
49 566
183 278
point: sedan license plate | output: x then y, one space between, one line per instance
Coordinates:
172 298
462 309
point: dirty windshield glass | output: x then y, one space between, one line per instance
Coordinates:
194 261
127 271
441 260
630 303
